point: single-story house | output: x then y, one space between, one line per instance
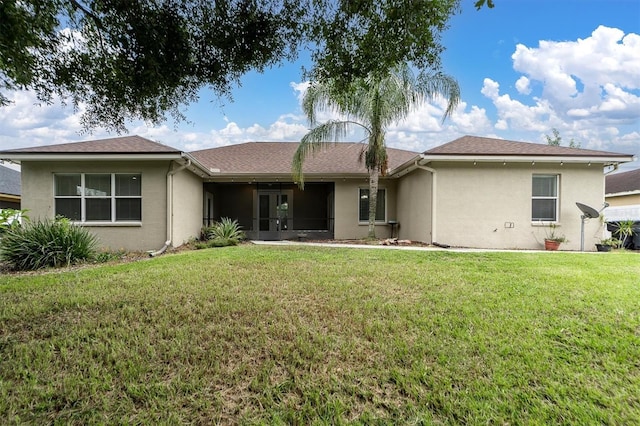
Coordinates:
622 193
9 188
472 192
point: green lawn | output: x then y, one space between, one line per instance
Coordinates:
255 334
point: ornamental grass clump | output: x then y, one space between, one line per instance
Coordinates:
227 232
48 243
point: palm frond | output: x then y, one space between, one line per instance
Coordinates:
323 98
439 84
316 139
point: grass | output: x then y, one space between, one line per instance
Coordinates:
302 335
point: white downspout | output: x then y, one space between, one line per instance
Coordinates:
167 243
433 198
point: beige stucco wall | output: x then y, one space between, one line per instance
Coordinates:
624 200
347 225
476 205
187 207
414 206
37 197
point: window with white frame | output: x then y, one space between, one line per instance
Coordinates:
99 197
544 198
380 205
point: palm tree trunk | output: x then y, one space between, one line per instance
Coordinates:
373 200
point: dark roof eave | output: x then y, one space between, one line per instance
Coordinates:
285 177
609 158
511 154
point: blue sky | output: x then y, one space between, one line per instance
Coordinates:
524 67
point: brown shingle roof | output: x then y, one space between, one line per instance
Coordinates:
121 145
479 146
276 157
623 182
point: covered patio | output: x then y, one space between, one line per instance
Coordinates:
273 210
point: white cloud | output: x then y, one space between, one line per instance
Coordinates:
490 89
574 74
589 91
522 85
514 114
286 128
300 89
475 122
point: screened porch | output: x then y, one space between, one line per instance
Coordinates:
273 210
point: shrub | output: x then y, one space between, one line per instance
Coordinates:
227 232
48 243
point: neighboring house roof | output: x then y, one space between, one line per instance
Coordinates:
9 181
121 145
274 158
474 146
623 182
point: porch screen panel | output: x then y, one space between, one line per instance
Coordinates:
264 212
283 211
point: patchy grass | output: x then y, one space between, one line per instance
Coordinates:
316 335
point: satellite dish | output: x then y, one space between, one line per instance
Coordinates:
588 212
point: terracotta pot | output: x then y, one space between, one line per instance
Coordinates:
551 245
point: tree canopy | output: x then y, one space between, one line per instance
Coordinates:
142 59
556 140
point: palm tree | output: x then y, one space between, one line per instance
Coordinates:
373 104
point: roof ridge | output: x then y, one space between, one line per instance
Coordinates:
292 143
114 145
480 145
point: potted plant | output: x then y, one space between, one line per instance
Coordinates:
553 240
607 244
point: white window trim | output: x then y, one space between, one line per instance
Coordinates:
112 197
556 198
366 222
